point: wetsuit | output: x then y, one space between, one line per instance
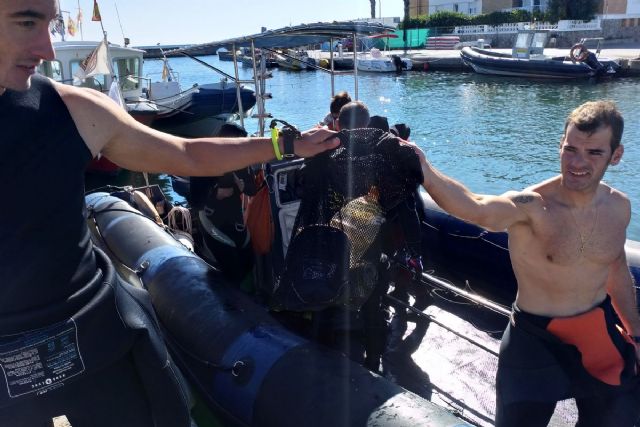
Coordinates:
586 357
225 237
74 341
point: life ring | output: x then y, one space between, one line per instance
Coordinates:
578 52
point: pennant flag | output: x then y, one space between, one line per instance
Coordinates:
96 63
71 27
96 12
57 26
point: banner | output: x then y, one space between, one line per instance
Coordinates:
96 12
96 63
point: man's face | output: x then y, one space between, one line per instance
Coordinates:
584 158
24 40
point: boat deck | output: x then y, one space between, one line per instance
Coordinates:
462 374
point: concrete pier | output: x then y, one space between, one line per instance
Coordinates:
449 60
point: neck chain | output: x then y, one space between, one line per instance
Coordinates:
584 240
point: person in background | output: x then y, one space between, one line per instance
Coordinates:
379 122
217 203
337 102
354 115
574 329
60 299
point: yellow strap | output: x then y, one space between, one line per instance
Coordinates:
274 141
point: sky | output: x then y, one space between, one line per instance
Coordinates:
149 22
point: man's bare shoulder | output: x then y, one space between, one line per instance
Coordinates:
615 200
96 116
526 199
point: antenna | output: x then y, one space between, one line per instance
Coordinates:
126 40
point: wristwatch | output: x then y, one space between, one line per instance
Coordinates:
289 134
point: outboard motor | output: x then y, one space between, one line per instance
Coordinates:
397 61
592 61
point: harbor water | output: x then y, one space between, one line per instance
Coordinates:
493 133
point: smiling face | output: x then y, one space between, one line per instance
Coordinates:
24 40
585 156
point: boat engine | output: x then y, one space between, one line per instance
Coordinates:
397 61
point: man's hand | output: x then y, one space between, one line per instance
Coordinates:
421 156
315 141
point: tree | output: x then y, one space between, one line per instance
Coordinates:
373 8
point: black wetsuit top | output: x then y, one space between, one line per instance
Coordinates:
45 249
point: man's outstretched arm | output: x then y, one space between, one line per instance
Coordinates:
496 213
108 129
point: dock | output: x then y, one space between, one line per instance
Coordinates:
449 60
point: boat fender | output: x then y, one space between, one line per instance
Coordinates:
425 66
146 207
579 52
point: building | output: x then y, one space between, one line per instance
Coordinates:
608 8
468 7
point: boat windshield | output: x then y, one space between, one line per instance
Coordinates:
51 69
127 70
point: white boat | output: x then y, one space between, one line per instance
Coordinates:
376 62
165 105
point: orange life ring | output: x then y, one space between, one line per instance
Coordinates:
578 52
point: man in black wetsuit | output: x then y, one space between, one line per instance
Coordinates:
74 341
566 242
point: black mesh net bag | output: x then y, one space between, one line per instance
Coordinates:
346 194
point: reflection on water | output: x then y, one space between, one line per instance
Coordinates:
492 133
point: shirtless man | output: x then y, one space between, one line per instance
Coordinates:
59 296
566 242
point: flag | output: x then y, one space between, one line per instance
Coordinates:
96 63
57 26
79 17
71 27
96 12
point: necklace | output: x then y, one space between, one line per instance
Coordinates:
584 240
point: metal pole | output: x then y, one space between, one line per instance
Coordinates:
333 88
355 65
235 70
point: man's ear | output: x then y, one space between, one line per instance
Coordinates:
617 155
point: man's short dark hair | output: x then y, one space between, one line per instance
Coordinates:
354 115
594 115
338 101
379 122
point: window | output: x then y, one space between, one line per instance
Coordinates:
51 69
127 70
97 82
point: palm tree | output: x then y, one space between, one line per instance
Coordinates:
406 23
373 8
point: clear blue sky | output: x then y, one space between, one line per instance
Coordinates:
147 22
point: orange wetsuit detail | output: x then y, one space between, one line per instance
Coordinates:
588 333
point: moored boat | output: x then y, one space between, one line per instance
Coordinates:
528 60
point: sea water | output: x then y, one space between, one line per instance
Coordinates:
492 133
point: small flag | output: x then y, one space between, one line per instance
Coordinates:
96 12
71 27
57 26
96 63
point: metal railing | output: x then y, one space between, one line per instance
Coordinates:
564 25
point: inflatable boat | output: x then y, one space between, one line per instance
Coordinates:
244 365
